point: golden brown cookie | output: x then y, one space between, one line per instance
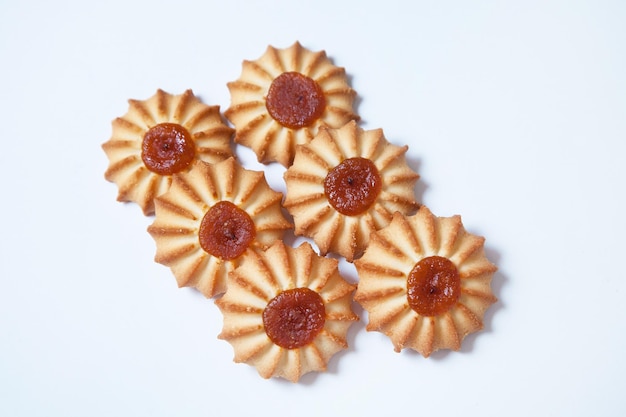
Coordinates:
286 311
425 282
281 99
159 137
209 218
346 184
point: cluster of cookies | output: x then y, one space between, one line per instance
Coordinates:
423 280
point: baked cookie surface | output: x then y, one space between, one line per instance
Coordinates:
345 184
209 218
281 99
425 282
159 137
286 311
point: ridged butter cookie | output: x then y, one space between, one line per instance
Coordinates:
346 184
286 311
281 99
209 218
159 137
425 282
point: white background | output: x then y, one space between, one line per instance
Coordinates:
515 114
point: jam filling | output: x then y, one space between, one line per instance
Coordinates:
353 186
433 286
226 231
295 100
294 317
167 148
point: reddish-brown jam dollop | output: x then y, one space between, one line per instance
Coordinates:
352 186
226 231
294 317
167 148
295 100
433 286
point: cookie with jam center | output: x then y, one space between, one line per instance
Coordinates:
281 99
345 184
425 282
159 137
212 216
286 311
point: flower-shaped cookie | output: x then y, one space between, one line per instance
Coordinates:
159 137
282 98
286 311
209 218
425 282
345 184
